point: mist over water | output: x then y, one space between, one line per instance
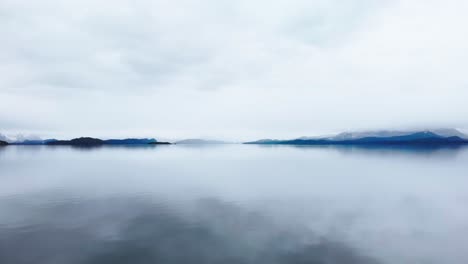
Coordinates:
233 204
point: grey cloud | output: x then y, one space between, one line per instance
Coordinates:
238 70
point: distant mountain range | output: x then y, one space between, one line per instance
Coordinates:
33 142
383 137
435 137
199 141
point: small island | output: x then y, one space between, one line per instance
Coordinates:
83 141
159 143
89 141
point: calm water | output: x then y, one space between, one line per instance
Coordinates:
233 204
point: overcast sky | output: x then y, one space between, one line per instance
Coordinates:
231 69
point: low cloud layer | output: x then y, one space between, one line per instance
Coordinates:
234 70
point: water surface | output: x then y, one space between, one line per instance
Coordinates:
233 204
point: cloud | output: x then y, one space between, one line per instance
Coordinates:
231 69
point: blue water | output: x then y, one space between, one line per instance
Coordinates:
233 204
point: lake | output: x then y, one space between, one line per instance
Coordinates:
233 204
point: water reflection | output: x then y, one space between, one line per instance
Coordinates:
233 204
136 230
417 151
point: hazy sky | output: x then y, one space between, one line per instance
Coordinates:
231 69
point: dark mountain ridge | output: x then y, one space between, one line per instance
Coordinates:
82 141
